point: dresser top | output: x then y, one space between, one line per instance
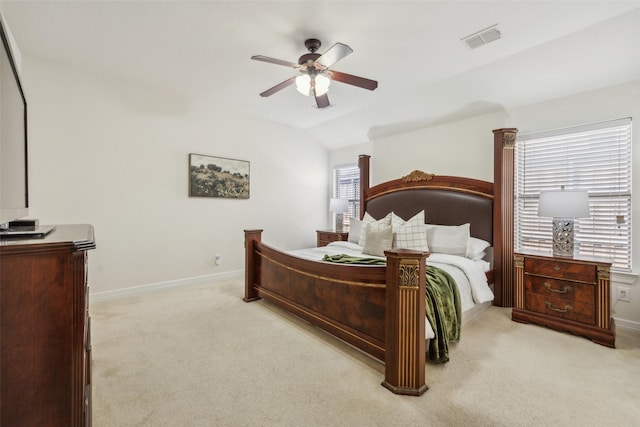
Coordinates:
78 236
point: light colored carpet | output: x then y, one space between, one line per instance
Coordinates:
199 356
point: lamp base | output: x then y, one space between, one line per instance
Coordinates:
339 222
563 237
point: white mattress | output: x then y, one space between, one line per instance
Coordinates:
475 293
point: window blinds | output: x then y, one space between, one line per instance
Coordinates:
595 158
347 186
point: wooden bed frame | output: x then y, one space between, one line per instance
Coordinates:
379 309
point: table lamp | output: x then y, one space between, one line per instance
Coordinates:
339 207
563 206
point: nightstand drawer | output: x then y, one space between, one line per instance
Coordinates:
566 294
560 289
561 269
583 313
324 237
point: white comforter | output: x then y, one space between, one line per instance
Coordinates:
468 274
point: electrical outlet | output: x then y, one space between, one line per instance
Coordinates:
623 294
218 259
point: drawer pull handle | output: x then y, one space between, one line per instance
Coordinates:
559 291
556 267
558 310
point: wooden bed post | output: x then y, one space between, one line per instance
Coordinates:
250 238
365 180
405 353
504 141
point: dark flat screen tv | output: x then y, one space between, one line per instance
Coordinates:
14 184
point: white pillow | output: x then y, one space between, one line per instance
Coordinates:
355 227
448 239
476 249
370 222
377 240
411 236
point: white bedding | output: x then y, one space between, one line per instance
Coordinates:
468 274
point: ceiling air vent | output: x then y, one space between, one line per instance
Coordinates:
482 37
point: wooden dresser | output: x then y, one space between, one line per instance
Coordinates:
327 236
566 294
45 338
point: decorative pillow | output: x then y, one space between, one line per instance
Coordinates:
355 227
448 239
416 219
476 249
377 240
412 236
370 222
409 234
396 220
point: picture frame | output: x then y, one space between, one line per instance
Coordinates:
211 176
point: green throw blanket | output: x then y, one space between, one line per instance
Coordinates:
444 312
347 259
442 304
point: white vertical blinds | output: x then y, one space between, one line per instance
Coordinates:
347 186
595 158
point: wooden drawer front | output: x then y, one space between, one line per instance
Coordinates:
564 270
569 292
324 238
583 313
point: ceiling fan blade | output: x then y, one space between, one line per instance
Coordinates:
274 61
322 101
334 54
354 80
278 87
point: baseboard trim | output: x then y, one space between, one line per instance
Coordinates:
95 297
627 325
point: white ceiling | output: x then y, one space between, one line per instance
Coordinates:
199 51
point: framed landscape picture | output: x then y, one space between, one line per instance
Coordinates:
218 177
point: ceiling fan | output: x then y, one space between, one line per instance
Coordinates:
315 75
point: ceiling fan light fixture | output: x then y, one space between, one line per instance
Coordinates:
304 84
322 84
315 75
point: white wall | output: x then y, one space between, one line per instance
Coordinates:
348 155
114 154
465 148
462 148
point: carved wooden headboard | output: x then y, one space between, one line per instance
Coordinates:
467 192
446 200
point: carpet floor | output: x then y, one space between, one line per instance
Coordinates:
198 355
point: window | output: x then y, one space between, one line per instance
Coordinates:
595 158
347 186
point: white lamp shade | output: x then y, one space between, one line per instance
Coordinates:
339 205
564 204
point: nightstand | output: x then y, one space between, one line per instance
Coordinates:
327 236
565 294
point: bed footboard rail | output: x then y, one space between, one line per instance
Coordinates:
378 309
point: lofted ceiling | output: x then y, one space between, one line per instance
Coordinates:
199 51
